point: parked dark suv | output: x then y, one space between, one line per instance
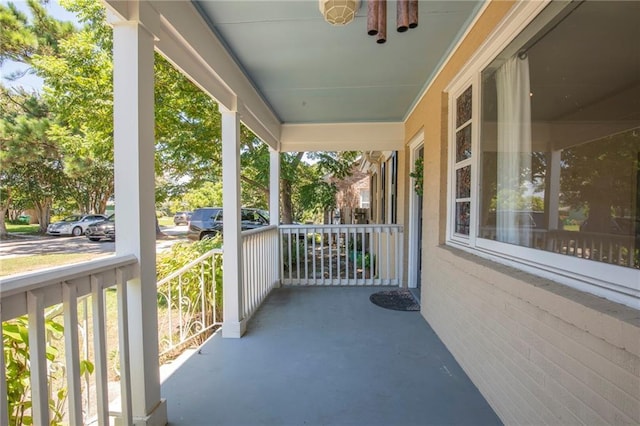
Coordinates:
207 221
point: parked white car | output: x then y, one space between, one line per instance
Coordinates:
74 225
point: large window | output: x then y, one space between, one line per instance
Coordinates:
559 145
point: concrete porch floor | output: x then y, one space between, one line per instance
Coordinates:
325 356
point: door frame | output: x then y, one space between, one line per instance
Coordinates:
414 146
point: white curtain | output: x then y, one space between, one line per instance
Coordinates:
514 148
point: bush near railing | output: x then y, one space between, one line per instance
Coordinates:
15 334
181 302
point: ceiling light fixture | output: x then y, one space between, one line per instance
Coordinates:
339 12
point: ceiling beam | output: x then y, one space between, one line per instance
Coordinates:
342 137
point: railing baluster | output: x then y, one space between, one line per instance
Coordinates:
100 350
343 255
306 259
346 249
4 401
362 253
388 253
38 358
170 310
180 313
322 247
203 295
290 257
313 256
85 352
214 289
72 348
338 245
330 242
123 332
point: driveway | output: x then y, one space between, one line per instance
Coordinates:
35 245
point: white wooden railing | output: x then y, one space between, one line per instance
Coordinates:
68 289
341 254
189 302
616 249
260 267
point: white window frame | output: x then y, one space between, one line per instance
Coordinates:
617 283
460 87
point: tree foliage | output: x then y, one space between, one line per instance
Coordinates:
76 66
30 161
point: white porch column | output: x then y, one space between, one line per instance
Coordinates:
234 324
274 187
274 204
555 168
133 48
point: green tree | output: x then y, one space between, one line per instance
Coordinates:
31 162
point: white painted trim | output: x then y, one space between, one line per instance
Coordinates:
617 283
451 162
342 137
274 187
593 277
232 266
133 76
412 232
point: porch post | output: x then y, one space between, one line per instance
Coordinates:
274 187
274 206
234 324
133 48
554 188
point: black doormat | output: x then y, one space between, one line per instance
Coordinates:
398 300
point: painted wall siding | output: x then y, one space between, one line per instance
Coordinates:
540 352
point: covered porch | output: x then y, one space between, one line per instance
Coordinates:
325 355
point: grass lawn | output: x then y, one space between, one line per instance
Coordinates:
15 265
166 221
26 229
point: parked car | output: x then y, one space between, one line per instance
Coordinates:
102 230
181 218
74 225
207 221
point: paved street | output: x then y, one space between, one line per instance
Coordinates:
34 245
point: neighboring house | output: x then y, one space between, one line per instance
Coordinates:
352 197
523 99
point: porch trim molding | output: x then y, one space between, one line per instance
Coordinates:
342 137
413 225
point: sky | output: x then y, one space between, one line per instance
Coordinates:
29 81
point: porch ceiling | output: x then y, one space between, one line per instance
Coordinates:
298 82
309 71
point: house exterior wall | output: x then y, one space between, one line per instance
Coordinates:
538 351
348 195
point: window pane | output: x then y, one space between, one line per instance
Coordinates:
560 137
463 143
463 182
463 210
463 108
